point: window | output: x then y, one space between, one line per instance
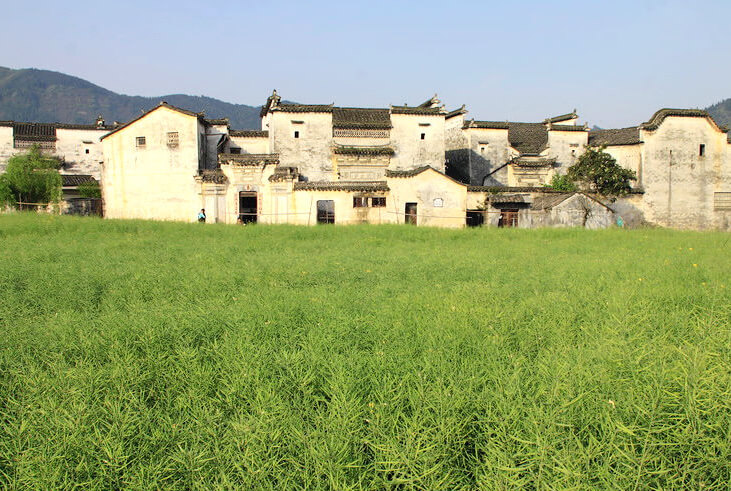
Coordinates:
235 150
378 202
140 140
702 150
438 203
482 149
360 202
86 151
326 211
722 201
423 136
173 139
296 134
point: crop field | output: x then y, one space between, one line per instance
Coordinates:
143 355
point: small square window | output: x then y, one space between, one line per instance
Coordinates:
296 134
140 140
173 139
423 136
86 151
360 202
702 150
378 202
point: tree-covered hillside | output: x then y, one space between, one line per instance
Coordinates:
45 96
721 112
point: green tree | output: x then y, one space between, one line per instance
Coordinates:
598 172
90 190
562 182
32 178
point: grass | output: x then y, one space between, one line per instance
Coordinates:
146 355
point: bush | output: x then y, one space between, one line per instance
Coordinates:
561 183
90 190
30 179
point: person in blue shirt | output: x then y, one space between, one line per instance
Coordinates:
202 216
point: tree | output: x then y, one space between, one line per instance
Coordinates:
561 182
30 178
597 171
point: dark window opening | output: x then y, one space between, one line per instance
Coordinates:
360 202
248 210
475 218
141 141
378 202
326 211
296 134
702 150
423 136
236 151
86 151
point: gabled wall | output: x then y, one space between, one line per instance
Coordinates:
155 182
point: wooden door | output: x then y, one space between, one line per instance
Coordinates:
411 213
248 209
508 217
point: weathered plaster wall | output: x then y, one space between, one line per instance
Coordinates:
566 146
411 150
572 212
311 153
489 150
259 144
679 183
155 182
426 189
72 145
6 146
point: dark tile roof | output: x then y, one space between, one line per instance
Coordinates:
219 121
70 126
456 112
342 186
488 125
247 159
363 151
567 127
524 161
528 138
272 100
72 180
563 117
548 201
304 108
214 176
507 198
361 118
284 174
619 136
249 133
422 111
407 173
513 189
34 131
659 116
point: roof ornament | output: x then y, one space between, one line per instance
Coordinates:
100 123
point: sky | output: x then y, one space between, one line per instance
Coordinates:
616 62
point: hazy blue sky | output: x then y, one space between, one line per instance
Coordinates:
615 61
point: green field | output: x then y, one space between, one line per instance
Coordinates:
144 355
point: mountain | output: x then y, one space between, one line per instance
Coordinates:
44 96
721 112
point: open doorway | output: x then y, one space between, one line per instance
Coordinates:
248 207
475 218
410 213
508 217
326 211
